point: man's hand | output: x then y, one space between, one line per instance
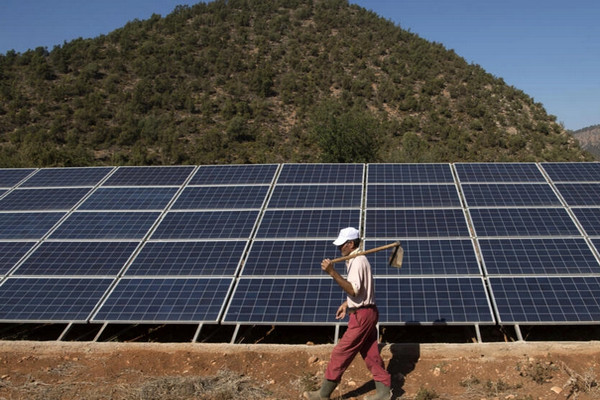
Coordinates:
341 311
327 266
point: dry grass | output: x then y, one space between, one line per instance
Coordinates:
226 385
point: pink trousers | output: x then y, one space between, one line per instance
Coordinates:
360 337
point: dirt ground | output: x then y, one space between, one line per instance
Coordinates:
89 370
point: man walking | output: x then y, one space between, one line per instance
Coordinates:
361 335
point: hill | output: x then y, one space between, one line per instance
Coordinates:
589 138
260 81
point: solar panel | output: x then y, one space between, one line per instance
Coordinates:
539 299
165 300
548 256
123 198
316 196
106 225
180 239
306 223
50 299
219 258
321 173
65 177
27 225
149 176
509 195
523 222
221 197
284 301
429 300
425 223
9 177
498 172
77 259
409 173
42 199
426 257
573 172
11 253
288 257
234 174
589 218
580 194
207 225
412 196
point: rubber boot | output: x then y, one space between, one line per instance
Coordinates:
326 389
383 392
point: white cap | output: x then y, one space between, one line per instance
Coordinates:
345 235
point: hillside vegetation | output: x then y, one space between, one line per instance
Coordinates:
589 138
261 81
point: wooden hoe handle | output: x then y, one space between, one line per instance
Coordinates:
361 253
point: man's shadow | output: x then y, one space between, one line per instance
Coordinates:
404 359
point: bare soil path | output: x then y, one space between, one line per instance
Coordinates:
88 370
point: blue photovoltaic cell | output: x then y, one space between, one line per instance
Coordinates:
547 299
589 218
412 196
138 198
316 196
523 222
166 300
234 174
42 199
285 300
306 223
106 225
425 223
221 197
548 256
573 171
65 177
426 257
9 177
188 258
31 225
580 194
498 172
499 195
321 173
447 300
11 253
410 173
149 176
77 259
289 258
207 225
50 299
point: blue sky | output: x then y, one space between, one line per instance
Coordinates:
550 49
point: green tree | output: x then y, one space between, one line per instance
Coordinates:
351 135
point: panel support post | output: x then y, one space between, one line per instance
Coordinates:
519 334
195 338
235 332
100 332
64 332
478 333
337 334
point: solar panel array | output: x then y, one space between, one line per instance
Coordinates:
485 243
